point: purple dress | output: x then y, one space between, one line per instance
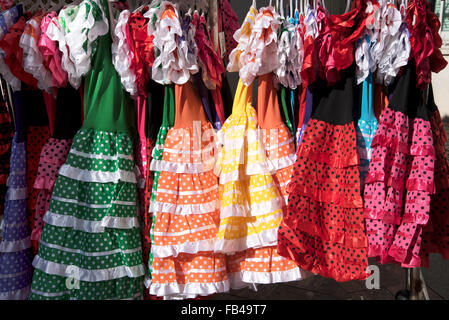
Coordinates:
15 248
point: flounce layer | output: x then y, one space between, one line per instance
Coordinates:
323 229
398 188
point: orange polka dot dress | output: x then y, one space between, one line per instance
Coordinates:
251 202
186 207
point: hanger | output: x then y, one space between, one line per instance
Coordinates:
291 8
348 5
323 3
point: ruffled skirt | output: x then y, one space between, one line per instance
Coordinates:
15 248
435 237
53 156
323 229
91 247
398 188
186 218
254 167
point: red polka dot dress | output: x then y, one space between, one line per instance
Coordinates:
400 180
436 233
323 229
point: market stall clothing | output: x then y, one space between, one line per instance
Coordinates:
92 220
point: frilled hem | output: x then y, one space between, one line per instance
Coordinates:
15 246
184 209
261 239
187 247
90 226
20 294
189 290
97 176
162 165
255 209
63 270
266 277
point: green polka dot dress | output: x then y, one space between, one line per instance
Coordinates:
90 247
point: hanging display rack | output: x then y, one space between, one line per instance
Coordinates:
416 288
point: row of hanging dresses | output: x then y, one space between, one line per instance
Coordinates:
91 232
335 219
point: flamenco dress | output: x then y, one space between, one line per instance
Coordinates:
435 233
16 255
251 202
186 207
323 229
90 248
400 181
37 129
67 119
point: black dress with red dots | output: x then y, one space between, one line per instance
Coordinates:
323 229
436 232
400 180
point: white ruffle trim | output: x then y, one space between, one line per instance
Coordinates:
187 247
162 165
188 290
184 209
21 294
91 254
55 32
253 210
167 67
122 56
266 238
16 194
253 277
32 57
84 29
65 221
15 246
81 274
97 176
